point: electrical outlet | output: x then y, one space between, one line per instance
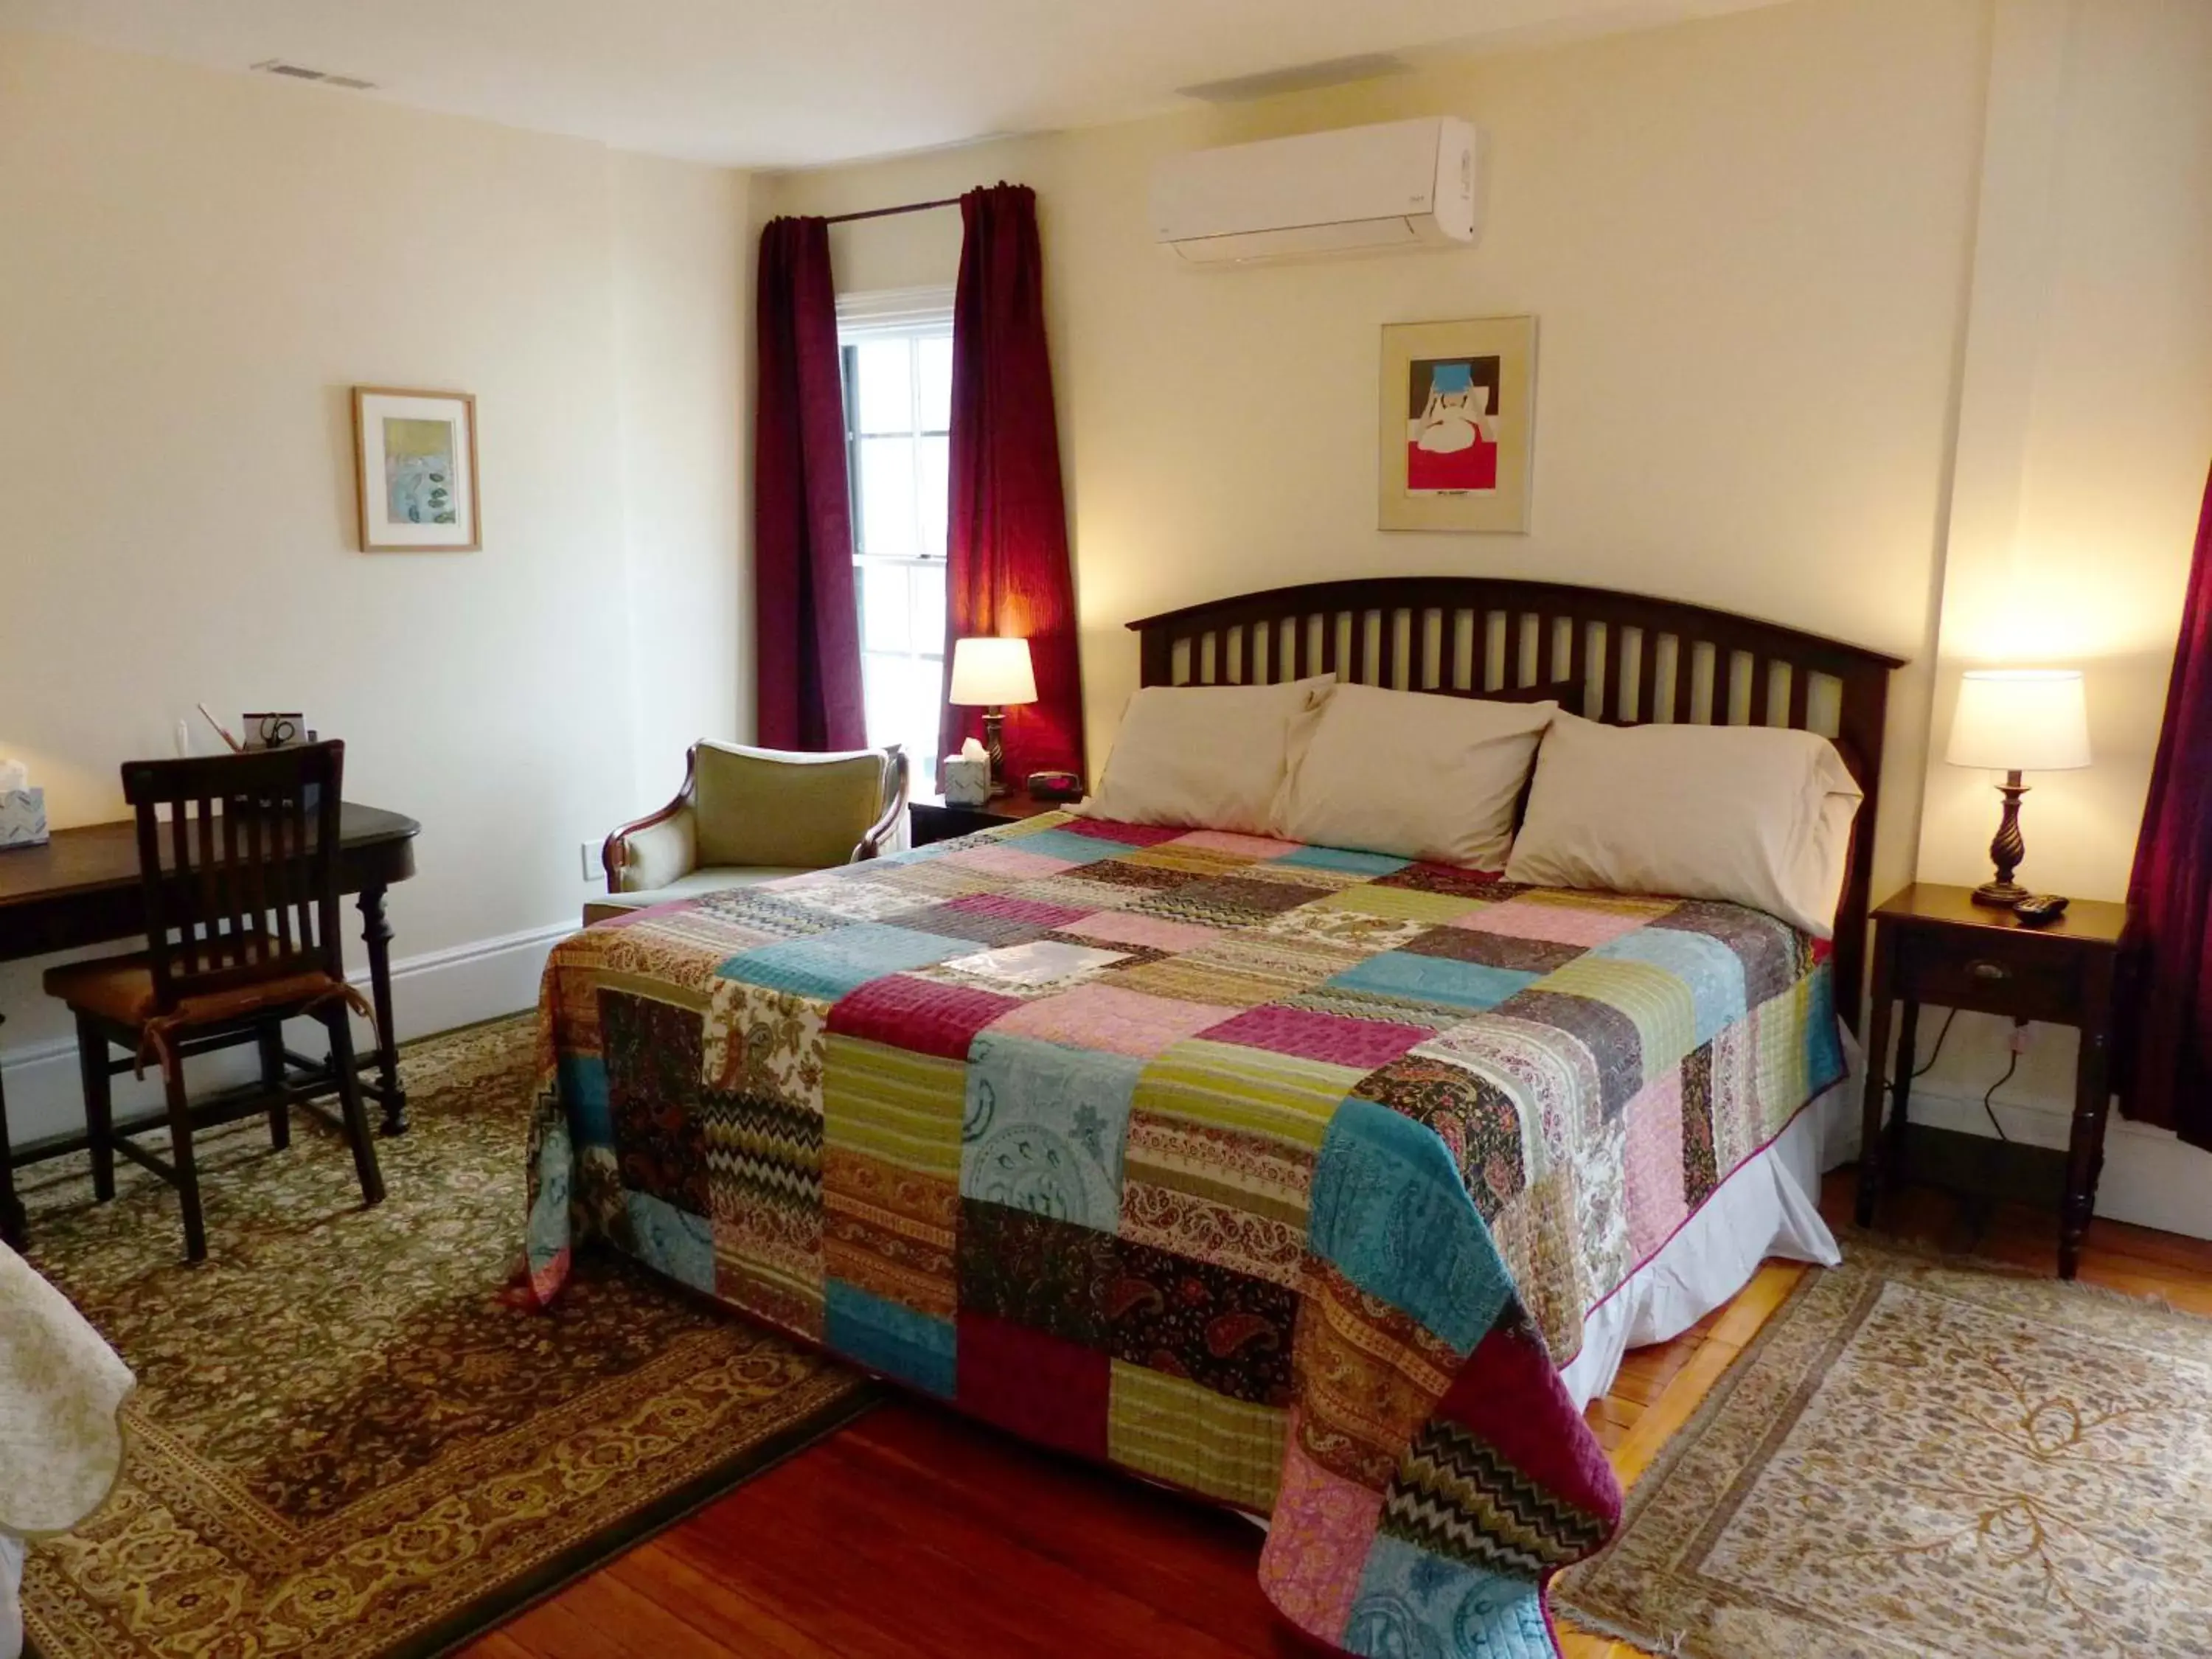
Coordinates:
2019 1038
587 855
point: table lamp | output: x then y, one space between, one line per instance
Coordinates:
2013 721
992 671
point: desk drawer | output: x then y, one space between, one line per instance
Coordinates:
2027 979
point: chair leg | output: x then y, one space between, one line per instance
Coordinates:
180 1154
339 1024
99 1105
272 1037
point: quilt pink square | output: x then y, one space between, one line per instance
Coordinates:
1108 1018
1317 1543
1228 841
1656 1202
1587 924
1156 932
1332 1037
1005 858
920 1016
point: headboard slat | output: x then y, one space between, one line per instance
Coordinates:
1266 637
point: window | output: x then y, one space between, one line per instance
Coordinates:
897 360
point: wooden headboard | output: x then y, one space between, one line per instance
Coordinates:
1624 658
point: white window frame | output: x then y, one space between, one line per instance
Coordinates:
909 313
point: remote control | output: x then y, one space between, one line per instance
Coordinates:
2037 909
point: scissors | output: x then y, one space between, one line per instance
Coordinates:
275 731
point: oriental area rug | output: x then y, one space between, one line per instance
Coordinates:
1918 1460
345 1441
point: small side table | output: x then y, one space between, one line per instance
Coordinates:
1934 944
931 818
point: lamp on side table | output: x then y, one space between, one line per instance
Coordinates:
2013 721
991 671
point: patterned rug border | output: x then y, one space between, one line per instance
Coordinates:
469 1056
1679 1444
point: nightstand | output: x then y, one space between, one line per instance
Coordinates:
1933 944
931 818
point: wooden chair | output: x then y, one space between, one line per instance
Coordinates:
241 893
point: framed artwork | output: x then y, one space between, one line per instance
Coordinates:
1458 424
415 464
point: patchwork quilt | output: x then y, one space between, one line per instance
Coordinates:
1283 1175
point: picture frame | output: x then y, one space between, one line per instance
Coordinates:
415 470
1456 433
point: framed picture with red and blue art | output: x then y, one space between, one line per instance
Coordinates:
1457 424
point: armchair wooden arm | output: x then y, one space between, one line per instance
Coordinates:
617 855
881 832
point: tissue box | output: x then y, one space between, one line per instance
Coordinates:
965 783
22 817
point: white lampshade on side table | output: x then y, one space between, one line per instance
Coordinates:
2013 721
989 672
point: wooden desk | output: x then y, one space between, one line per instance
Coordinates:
82 888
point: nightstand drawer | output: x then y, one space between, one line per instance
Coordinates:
1997 974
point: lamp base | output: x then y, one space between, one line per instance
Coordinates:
2000 894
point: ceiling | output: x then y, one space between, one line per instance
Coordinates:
804 83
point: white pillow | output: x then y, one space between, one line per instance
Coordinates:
1208 756
1415 773
1756 815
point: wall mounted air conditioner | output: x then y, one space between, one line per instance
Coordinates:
1359 189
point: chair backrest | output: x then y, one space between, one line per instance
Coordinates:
241 876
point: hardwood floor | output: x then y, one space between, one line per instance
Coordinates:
915 1534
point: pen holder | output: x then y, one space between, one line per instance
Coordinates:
22 818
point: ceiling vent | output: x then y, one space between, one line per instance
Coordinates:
301 72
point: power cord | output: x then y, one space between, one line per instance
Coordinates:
1937 1053
1989 1100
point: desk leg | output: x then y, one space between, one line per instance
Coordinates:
14 1227
377 931
2092 1100
1872 1146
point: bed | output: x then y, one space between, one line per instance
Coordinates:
1319 1183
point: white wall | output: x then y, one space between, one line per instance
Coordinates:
194 269
1747 244
2084 432
1887 319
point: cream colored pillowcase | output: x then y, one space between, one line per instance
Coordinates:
1755 815
1416 773
1208 756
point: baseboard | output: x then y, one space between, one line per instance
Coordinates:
435 991
2150 1178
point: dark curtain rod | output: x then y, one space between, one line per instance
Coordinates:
885 213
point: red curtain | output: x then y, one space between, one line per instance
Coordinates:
1007 548
2167 1064
806 631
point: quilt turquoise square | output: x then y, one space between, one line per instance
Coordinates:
1045 1129
1443 980
828 965
898 1342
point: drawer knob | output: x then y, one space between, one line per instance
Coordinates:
1990 973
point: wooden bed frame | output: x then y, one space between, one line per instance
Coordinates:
1624 658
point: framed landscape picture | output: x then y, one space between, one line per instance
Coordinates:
1458 424
415 461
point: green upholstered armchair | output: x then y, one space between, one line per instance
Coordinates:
750 815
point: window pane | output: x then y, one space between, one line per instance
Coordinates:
886 607
887 497
886 386
935 461
928 608
936 353
921 698
883 687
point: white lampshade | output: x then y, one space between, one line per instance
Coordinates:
988 670
2021 720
